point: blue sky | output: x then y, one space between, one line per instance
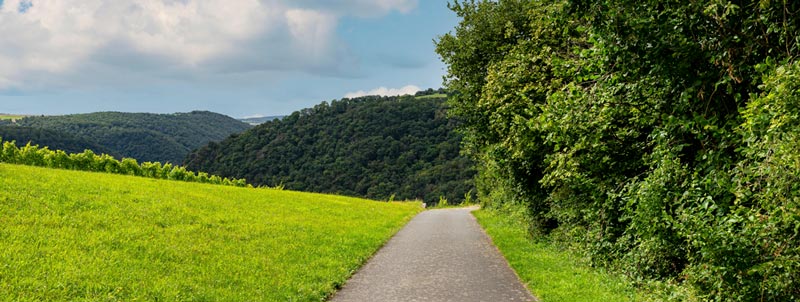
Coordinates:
241 58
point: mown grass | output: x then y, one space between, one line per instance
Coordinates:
432 96
80 236
550 273
10 117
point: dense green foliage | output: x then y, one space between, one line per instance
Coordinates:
79 236
32 155
374 147
143 136
52 139
661 138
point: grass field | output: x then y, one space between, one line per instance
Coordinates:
10 117
432 96
78 236
551 274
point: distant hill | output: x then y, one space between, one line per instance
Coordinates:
372 146
54 140
143 136
260 120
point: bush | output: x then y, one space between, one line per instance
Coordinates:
659 138
88 161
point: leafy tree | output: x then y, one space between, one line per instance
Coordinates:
143 136
650 133
55 140
371 146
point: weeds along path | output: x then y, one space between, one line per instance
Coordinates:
441 255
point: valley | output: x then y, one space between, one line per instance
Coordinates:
133 135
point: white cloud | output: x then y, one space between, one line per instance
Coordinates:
55 40
361 8
313 31
383 91
191 32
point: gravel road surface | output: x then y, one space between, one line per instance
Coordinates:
441 255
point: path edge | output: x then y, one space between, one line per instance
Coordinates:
338 287
491 241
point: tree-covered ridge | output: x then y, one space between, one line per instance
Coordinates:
143 136
659 136
375 147
54 140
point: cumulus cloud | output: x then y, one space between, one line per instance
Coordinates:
383 91
54 40
312 31
189 32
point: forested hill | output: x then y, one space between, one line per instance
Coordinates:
54 140
143 136
371 146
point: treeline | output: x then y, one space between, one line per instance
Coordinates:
32 155
659 138
143 136
374 147
54 140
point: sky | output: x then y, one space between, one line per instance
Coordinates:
242 58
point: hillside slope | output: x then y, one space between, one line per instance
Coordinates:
143 136
375 147
79 236
54 140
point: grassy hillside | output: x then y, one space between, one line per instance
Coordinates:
10 116
143 136
374 147
70 235
432 96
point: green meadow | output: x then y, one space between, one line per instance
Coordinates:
432 96
552 274
10 117
80 236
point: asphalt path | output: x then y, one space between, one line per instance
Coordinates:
441 255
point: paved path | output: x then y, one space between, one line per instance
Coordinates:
441 255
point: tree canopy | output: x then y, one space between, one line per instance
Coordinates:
658 136
375 147
55 140
143 136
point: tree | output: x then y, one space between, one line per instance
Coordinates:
371 146
618 124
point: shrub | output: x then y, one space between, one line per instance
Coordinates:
89 161
659 138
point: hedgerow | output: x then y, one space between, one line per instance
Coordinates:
659 138
33 155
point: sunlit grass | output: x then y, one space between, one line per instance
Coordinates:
432 96
67 235
552 275
10 117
